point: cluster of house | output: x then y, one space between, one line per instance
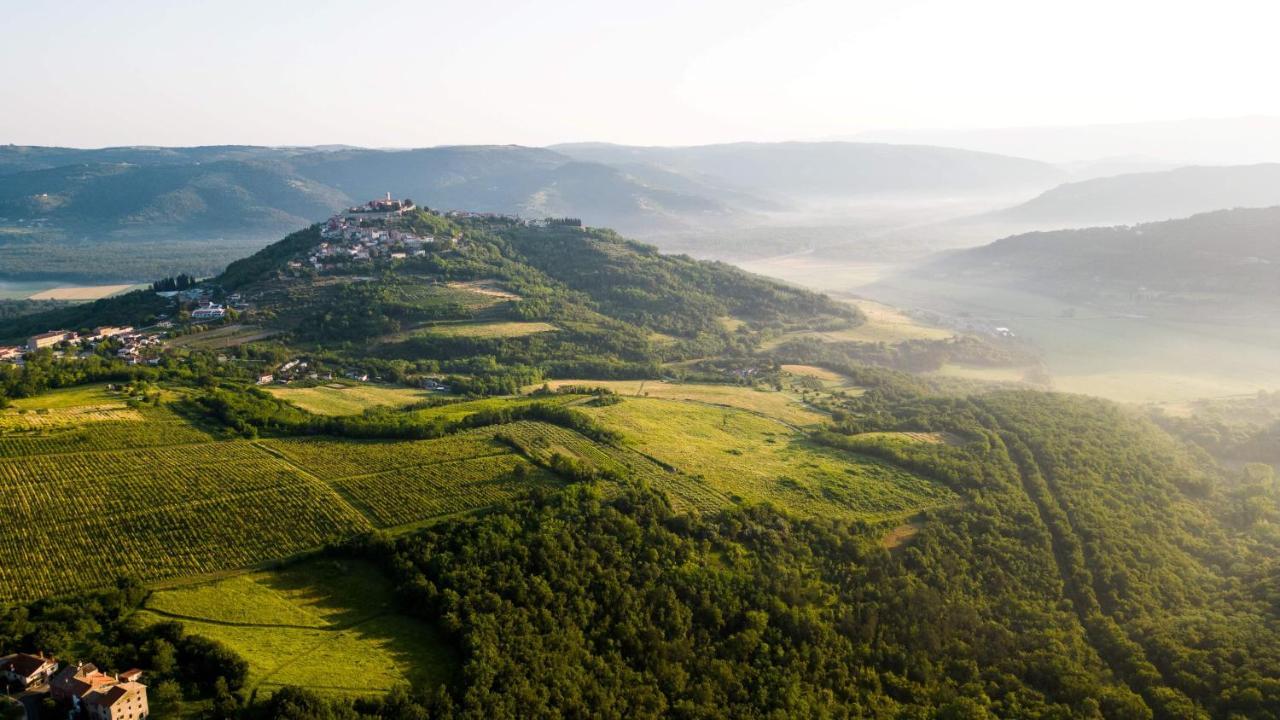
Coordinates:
362 233
296 369
89 691
132 343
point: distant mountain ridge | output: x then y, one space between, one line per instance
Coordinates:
816 170
1224 254
1151 196
185 209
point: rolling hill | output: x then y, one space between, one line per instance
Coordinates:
158 211
1229 254
1150 196
746 540
816 171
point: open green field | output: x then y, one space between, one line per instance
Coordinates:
343 398
884 324
495 329
329 625
784 406
746 457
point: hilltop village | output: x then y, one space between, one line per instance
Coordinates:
375 233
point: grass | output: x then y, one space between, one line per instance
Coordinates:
83 292
496 329
329 625
750 458
783 406
884 324
342 398
73 397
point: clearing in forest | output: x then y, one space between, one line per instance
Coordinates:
750 458
327 624
496 329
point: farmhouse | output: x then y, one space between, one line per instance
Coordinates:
49 339
109 331
99 695
27 670
209 311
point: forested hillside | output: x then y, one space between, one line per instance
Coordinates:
1092 569
1226 254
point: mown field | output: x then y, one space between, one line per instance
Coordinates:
325 624
495 329
342 398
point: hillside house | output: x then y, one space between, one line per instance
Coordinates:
109 331
49 339
209 311
26 670
10 354
101 696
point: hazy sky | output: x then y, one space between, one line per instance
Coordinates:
393 73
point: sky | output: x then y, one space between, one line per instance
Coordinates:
670 72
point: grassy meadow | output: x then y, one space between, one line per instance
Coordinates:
343 398
751 458
330 625
784 406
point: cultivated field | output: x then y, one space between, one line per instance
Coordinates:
325 624
223 337
744 456
155 512
397 483
341 398
151 496
784 406
88 292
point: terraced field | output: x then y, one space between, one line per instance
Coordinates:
324 624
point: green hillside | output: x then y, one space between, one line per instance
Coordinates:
583 478
1230 253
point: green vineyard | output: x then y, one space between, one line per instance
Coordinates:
141 492
78 520
397 483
